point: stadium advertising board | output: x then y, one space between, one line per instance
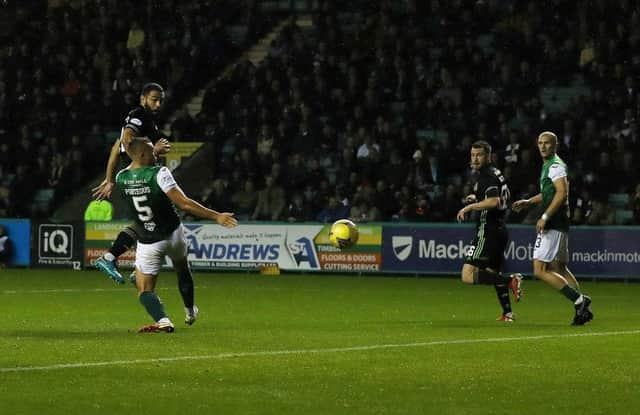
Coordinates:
59 245
19 232
365 256
98 239
291 247
439 249
251 246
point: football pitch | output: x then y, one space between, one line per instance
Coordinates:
313 344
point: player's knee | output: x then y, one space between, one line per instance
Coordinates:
180 264
467 275
539 269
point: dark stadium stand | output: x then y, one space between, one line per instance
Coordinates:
372 104
72 70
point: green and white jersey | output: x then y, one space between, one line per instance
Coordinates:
144 189
554 169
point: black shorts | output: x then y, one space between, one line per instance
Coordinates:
487 249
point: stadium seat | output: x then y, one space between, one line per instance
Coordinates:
397 108
487 96
432 135
485 42
8 179
344 17
283 5
558 99
42 200
269 6
301 5
111 136
238 34
435 53
623 216
425 134
441 135
619 200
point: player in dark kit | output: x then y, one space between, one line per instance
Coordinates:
138 123
485 257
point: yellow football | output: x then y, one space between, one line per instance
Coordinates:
343 234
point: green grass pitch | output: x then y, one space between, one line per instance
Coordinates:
313 344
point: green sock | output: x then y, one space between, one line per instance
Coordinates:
570 292
153 305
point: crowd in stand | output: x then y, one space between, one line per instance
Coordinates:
372 112
69 75
368 114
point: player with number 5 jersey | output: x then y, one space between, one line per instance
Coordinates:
144 189
153 195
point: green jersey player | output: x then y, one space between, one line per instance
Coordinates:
153 195
551 251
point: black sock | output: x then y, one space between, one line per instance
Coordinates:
126 239
503 297
185 285
486 277
570 292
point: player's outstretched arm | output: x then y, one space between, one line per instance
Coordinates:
486 204
526 203
104 189
183 202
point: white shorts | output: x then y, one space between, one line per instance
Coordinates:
552 245
149 257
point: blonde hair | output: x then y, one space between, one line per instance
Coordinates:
549 134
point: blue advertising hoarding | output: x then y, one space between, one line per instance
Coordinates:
440 249
19 231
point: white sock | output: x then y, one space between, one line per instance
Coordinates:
109 256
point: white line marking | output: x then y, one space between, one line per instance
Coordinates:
310 351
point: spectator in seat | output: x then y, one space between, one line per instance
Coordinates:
582 208
245 200
271 201
217 195
602 214
332 211
298 210
7 208
420 210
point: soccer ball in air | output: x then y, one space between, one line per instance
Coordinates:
343 234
